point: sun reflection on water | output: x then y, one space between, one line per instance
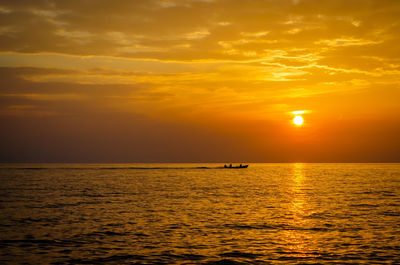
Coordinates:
298 195
297 239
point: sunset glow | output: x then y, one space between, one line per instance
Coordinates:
196 80
298 120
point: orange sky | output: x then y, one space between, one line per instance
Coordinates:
199 81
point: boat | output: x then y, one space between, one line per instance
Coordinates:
240 166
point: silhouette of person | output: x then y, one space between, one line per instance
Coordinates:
230 165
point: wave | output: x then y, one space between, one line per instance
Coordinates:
106 168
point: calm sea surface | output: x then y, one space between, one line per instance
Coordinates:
180 214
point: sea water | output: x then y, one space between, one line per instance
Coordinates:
183 214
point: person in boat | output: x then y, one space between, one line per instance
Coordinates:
230 165
240 165
225 166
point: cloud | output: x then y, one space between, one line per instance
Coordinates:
101 28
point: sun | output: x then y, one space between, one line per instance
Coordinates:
298 120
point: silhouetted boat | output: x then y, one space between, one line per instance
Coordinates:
241 166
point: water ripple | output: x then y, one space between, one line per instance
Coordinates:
182 214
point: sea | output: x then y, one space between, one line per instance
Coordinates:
199 214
